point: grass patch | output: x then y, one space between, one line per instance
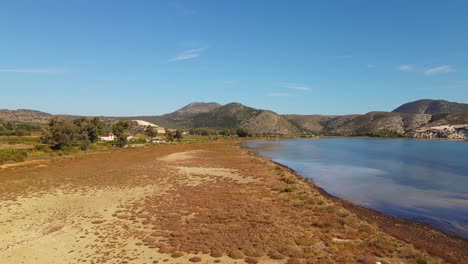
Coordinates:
273 254
195 259
15 155
216 253
287 190
250 260
304 242
236 254
26 140
287 180
177 255
421 261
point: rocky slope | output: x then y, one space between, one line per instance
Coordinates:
236 115
180 118
444 131
376 121
431 107
419 116
24 115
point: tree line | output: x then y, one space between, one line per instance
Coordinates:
229 132
61 134
10 128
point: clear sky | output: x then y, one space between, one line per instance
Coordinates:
112 57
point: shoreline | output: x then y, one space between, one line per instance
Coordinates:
210 201
423 236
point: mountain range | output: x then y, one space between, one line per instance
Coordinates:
408 117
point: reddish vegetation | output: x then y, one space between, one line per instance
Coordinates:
279 216
195 259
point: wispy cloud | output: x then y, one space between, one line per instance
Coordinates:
439 70
405 67
32 70
344 56
279 94
188 54
295 86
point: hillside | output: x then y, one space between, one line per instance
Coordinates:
309 123
320 124
194 109
405 119
235 115
431 107
351 125
375 121
24 115
180 118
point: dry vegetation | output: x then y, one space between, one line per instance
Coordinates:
204 203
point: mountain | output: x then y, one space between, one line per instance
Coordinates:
422 115
354 125
236 115
431 107
180 118
319 124
24 115
373 122
194 109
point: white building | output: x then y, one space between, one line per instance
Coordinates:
109 137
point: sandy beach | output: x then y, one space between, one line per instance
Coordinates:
211 202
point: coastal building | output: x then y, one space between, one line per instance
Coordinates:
108 137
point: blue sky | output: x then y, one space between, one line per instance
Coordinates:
152 57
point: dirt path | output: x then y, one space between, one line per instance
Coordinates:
179 204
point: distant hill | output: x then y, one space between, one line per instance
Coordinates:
409 117
349 125
236 115
320 124
194 109
216 116
374 122
24 115
180 118
449 119
431 107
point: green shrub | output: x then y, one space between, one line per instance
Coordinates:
386 133
16 155
421 261
236 254
242 132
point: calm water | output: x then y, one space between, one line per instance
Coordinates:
423 180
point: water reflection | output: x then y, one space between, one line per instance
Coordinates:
417 179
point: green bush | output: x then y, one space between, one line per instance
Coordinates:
16 155
242 132
386 133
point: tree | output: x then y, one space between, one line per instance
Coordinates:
119 130
242 132
88 130
169 136
96 129
150 132
228 132
178 134
60 134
